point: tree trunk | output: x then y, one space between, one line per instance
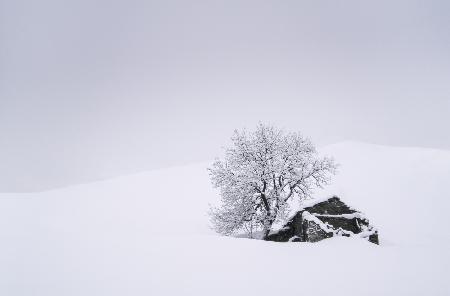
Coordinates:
266 230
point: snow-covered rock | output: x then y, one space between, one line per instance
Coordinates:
325 219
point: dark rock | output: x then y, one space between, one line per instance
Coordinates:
374 238
314 233
344 223
324 220
332 206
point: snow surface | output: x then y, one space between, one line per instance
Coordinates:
148 234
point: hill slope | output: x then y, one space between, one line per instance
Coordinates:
148 234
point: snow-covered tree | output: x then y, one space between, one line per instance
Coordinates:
261 174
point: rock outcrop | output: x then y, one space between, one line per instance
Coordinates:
325 219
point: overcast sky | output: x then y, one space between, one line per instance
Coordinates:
91 89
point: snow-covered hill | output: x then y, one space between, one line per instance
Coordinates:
148 234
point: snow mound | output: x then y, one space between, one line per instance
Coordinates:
148 234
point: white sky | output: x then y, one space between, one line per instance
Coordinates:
93 89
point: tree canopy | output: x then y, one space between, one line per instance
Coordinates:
261 173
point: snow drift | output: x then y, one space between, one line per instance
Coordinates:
148 234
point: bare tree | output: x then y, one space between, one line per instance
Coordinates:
262 172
